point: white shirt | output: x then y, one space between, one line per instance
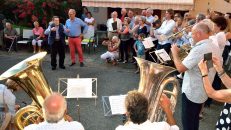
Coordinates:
166 29
109 24
192 83
147 125
61 125
149 19
7 97
220 40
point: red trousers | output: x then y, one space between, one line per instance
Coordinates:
75 43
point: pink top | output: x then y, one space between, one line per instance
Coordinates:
38 31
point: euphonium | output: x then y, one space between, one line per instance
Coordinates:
156 79
28 75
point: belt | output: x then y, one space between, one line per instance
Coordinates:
57 40
112 32
73 36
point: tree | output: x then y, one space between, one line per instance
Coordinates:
25 12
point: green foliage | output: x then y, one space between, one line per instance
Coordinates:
25 12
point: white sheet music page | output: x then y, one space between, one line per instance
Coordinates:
163 55
117 104
79 88
148 43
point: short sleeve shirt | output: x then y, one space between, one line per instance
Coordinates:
192 82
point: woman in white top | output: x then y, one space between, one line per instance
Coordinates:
90 21
219 26
137 113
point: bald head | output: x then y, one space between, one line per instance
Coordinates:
200 32
54 108
123 11
202 27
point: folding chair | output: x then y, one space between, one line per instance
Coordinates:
89 40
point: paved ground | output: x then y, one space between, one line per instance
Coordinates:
112 80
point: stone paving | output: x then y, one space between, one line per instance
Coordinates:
112 80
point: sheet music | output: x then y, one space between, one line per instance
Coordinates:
117 104
79 88
148 43
163 55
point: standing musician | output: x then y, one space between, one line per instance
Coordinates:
193 93
166 29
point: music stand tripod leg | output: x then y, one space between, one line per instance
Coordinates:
78 109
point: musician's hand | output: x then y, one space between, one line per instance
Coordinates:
68 118
17 107
67 30
175 50
165 102
203 67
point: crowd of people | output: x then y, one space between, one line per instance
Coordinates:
204 34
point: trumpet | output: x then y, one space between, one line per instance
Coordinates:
173 36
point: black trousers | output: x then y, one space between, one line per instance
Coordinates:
124 50
132 42
190 114
57 48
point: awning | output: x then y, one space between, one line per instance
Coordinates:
142 4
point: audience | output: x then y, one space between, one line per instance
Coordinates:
10 37
223 123
113 50
38 35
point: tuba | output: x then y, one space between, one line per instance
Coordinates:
156 79
28 75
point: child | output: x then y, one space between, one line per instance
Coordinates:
139 48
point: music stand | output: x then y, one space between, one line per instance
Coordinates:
78 88
114 105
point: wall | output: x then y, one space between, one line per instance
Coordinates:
201 6
100 14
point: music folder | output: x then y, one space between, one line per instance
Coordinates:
148 43
114 26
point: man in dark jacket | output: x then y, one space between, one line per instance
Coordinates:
56 40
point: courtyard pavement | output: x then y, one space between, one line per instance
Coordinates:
112 80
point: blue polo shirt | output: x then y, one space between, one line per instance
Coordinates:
75 27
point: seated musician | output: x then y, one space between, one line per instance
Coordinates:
10 35
7 104
137 113
54 108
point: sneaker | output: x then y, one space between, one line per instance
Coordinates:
120 60
81 64
125 61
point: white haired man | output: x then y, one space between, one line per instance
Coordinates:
113 24
193 93
54 108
